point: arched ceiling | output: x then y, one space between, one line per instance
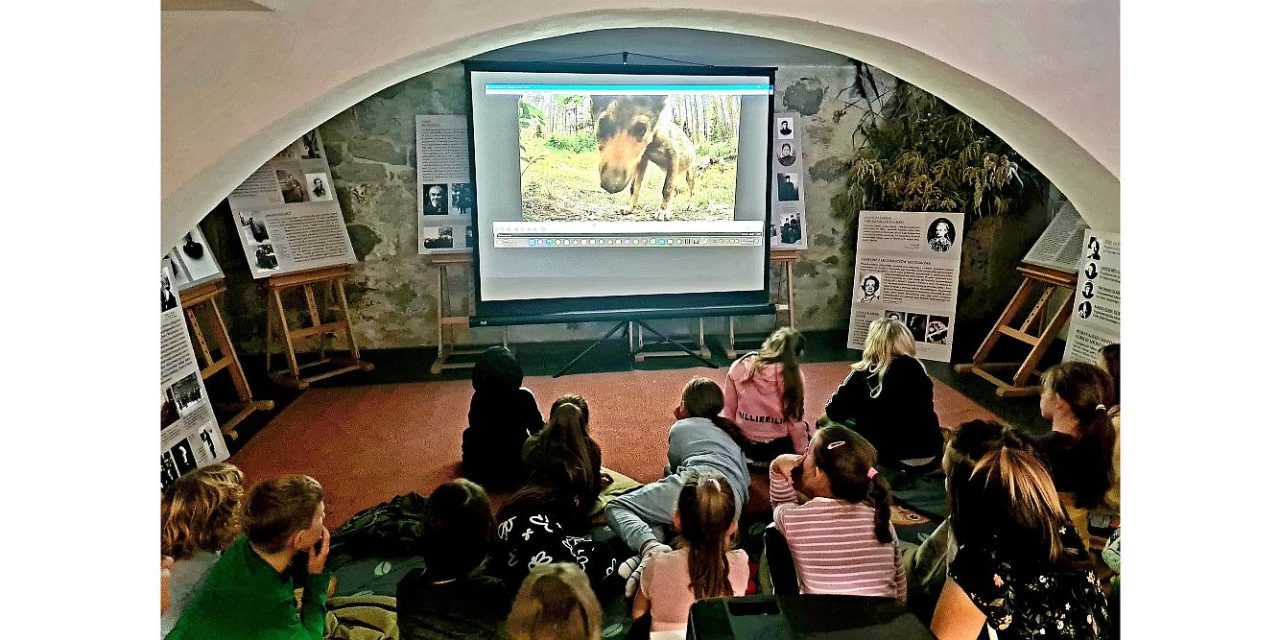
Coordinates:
240 85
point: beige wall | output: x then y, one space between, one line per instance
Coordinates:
238 86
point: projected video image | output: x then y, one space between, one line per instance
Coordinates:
628 157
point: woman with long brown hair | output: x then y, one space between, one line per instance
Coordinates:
888 399
1020 569
764 395
200 515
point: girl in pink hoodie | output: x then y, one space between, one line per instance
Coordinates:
764 394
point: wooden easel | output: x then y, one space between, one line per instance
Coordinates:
331 279
1034 278
203 299
446 348
785 258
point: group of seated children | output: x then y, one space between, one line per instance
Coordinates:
1008 559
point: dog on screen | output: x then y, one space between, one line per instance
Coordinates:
633 131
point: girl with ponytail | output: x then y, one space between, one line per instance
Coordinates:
705 565
764 394
841 540
1075 397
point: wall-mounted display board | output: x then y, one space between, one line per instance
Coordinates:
445 195
908 267
287 213
189 433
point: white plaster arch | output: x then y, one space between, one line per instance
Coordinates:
210 59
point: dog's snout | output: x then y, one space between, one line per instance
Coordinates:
613 179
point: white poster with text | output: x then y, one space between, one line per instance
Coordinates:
908 267
189 433
287 213
445 196
1096 322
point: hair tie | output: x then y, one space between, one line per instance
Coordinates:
836 445
1101 407
871 473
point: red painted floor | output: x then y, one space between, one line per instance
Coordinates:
367 444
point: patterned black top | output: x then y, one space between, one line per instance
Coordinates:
1039 603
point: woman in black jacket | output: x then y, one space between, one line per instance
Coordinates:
888 399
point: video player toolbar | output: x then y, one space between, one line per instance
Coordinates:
613 242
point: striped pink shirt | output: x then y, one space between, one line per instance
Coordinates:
834 545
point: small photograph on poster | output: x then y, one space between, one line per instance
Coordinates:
1094 251
1087 290
1091 270
167 299
437 237
461 199
186 392
206 436
870 287
787 189
471 237
786 129
255 230
183 456
290 180
170 266
786 156
918 324
318 189
791 230
168 409
941 235
1085 309
310 145
435 200
773 233
937 329
168 469
900 316
265 258
197 257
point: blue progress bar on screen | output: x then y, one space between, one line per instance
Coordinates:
501 88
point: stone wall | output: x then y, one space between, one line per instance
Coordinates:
394 294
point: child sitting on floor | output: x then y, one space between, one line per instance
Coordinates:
503 415
559 440
841 541
555 603
705 566
764 394
444 599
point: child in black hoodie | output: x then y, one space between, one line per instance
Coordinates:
503 415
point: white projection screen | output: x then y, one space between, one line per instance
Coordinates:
616 190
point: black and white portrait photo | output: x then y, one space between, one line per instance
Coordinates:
437 237
785 131
311 145
870 287
186 392
1085 309
941 235
195 255
787 189
1091 270
183 456
168 470
1094 250
917 322
265 258
257 230
786 157
168 409
318 189
206 436
291 185
168 299
900 316
435 199
461 199
936 330
791 230
1087 290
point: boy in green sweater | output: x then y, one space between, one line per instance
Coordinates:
249 592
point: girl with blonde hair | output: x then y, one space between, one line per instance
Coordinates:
888 399
555 603
200 514
764 394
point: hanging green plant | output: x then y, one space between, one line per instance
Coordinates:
918 153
